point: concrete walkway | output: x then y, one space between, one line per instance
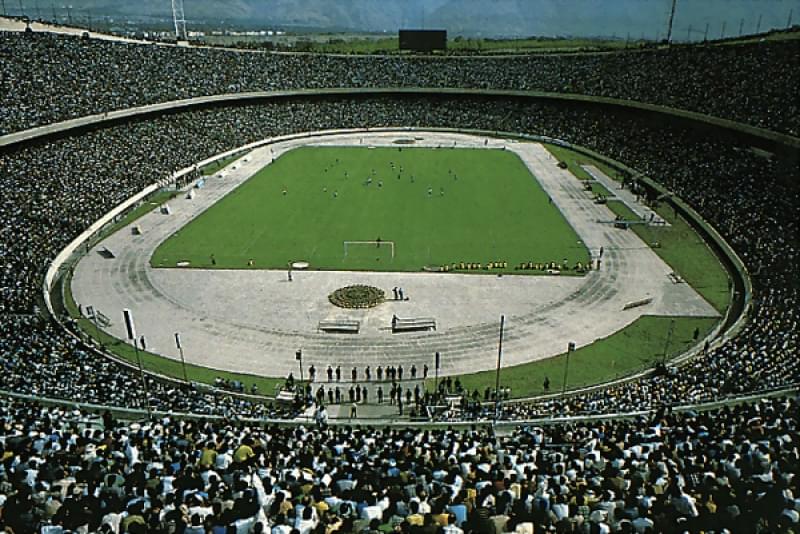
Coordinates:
254 320
645 213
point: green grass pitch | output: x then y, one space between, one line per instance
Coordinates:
438 206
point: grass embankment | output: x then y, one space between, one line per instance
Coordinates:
215 166
139 211
679 245
466 45
640 345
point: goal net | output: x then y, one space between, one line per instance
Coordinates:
371 246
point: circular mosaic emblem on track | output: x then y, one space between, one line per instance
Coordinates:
357 296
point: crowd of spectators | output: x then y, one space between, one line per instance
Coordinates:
59 188
46 78
38 359
729 470
733 469
56 189
752 199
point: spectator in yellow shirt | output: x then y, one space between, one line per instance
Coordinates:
208 457
244 453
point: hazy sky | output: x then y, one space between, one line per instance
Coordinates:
483 17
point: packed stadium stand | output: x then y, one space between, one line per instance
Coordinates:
48 77
730 468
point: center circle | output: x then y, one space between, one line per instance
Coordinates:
357 296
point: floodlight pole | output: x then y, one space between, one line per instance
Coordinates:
497 373
436 370
130 329
179 19
299 357
183 360
144 381
671 18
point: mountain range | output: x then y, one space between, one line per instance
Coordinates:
487 18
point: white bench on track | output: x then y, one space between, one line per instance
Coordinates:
415 324
342 326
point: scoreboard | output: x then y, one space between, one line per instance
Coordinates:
423 40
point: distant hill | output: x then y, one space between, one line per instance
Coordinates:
487 18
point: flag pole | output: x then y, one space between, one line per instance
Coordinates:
127 315
183 360
497 373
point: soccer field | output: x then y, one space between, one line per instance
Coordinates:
438 207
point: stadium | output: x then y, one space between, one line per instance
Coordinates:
248 291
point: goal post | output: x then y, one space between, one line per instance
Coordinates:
374 244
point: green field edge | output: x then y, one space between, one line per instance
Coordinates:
474 272
356 44
518 46
639 346
693 260
215 166
149 204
